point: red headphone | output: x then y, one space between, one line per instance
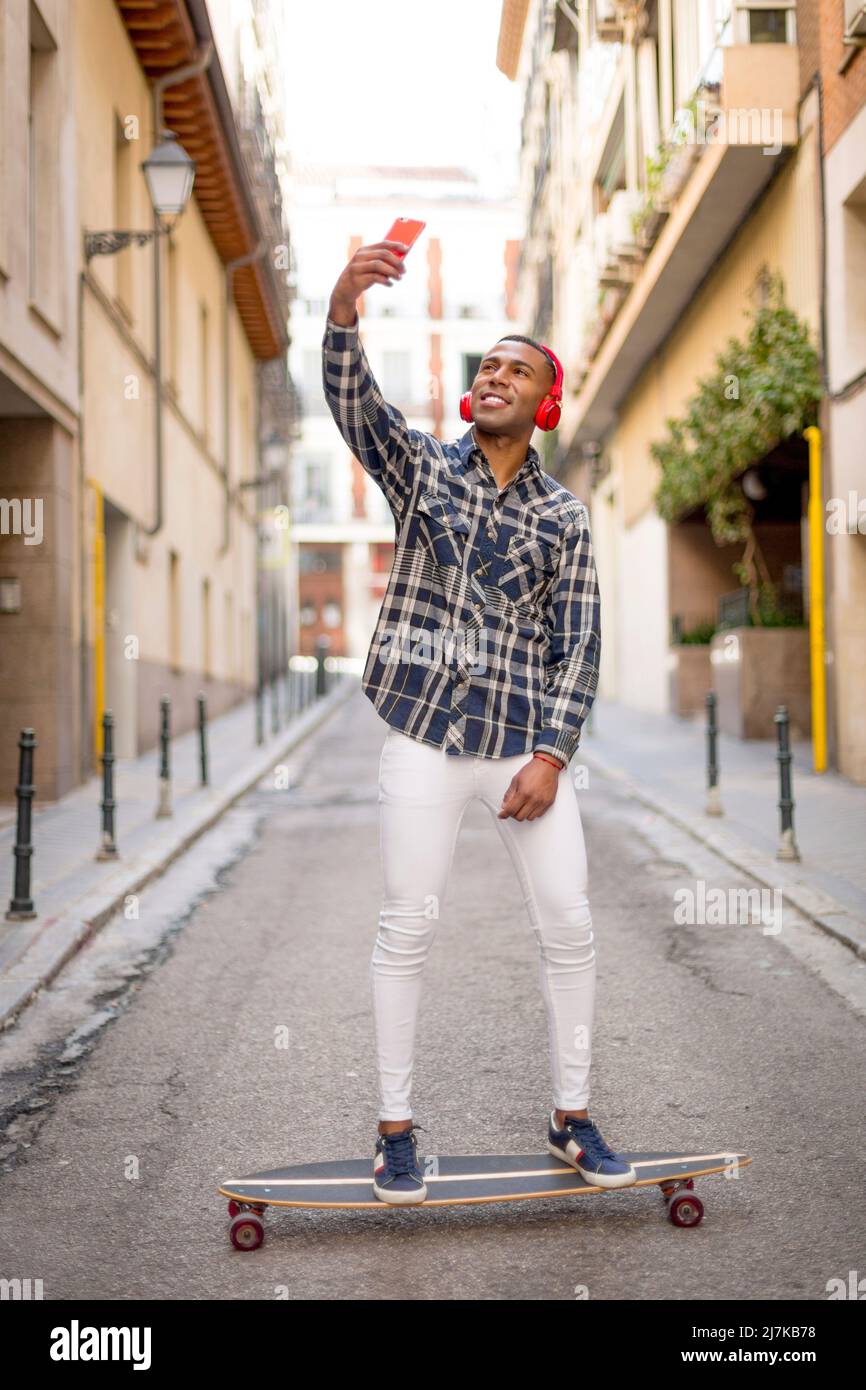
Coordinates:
549 410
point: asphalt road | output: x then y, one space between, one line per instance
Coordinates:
155 1068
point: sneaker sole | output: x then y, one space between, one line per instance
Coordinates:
400 1199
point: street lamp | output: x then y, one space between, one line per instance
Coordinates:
169 173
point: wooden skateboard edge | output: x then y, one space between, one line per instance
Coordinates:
586 1191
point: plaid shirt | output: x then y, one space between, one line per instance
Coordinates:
488 638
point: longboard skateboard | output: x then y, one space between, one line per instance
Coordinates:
463 1180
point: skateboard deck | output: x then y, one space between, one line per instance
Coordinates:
462 1180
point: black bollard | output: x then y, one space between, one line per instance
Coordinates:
260 715
164 803
108 849
202 739
21 904
714 803
322 646
787 844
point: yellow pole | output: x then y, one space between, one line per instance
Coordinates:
98 617
817 639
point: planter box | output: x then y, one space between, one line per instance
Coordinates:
690 676
755 669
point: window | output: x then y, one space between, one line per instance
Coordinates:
765 21
43 209
396 376
768 26
313 561
311 387
471 364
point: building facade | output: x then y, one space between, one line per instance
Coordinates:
671 169
146 582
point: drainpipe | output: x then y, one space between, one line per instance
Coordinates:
169 79
231 267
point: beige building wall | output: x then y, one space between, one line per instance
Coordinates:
178 604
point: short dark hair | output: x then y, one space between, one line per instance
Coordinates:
522 338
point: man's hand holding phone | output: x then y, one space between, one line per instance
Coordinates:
379 263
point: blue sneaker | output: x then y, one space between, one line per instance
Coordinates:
396 1176
580 1144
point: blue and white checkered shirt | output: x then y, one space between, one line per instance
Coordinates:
489 634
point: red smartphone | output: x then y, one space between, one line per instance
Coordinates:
407 231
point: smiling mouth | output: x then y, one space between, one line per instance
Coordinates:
495 402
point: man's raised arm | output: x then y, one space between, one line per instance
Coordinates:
376 432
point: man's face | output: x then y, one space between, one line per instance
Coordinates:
521 377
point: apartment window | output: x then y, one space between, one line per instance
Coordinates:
313 395
768 26
43 208
204 369
471 367
396 375
174 625
123 215
205 627
762 21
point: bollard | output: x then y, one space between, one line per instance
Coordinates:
21 904
322 646
787 844
260 715
164 803
714 803
108 849
202 739
275 707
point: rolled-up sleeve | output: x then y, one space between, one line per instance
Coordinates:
575 644
376 432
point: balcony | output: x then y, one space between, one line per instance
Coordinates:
744 126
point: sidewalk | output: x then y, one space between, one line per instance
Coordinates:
72 892
662 761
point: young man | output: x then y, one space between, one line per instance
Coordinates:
484 663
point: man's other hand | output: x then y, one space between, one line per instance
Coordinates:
531 792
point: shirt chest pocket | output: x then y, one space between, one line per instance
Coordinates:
529 567
442 528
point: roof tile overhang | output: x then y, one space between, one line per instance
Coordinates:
164 36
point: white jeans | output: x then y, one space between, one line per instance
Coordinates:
423 793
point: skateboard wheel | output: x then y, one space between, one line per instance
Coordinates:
234 1209
247 1231
685 1209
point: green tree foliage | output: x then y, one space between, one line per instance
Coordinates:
763 390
